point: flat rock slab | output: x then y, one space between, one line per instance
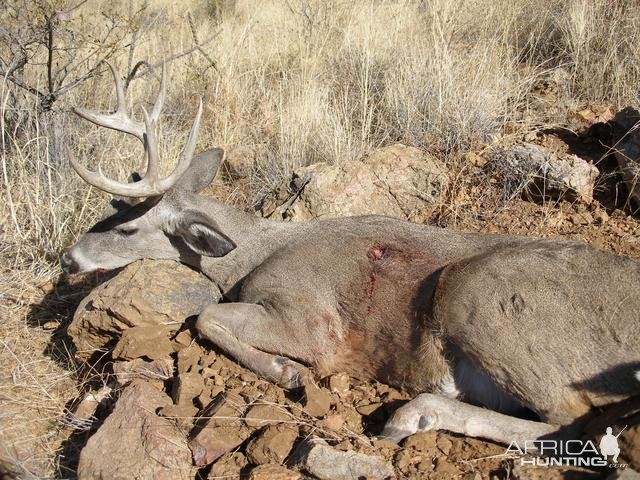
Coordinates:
134 442
272 445
220 430
326 463
147 293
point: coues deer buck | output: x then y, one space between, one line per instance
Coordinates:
464 320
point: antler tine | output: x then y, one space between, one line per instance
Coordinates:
157 106
151 148
187 153
120 96
119 120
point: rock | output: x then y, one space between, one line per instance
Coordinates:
368 408
230 465
422 441
213 442
189 359
146 293
397 181
339 383
90 403
273 472
333 422
182 339
317 400
149 341
630 446
444 444
601 216
448 470
272 445
221 429
402 460
319 459
352 419
182 415
186 387
539 172
592 114
134 442
264 414
627 150
161 369
584 218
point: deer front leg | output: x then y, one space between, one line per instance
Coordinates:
247 333
434 412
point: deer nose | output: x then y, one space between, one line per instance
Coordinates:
68 264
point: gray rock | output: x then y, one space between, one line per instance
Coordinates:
326 463
134 442
627 151
397 181
539 172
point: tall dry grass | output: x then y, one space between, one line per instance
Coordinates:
300 81
295 82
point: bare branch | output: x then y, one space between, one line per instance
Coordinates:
171 58
194 34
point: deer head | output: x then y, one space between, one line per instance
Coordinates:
165 224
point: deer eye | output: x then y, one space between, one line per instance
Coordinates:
126 231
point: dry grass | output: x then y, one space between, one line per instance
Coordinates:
296 82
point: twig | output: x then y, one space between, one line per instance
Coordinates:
171 58
194 34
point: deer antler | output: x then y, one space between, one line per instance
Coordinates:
120 120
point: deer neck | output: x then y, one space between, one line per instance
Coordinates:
255 239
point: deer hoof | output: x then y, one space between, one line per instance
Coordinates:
406 421
289 373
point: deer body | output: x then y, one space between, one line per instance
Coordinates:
414 306
506 322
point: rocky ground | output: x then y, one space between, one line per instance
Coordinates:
158 402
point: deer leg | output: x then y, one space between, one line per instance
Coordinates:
435 412
247 333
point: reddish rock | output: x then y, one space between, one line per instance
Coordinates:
148 341
138 368
145 293
186 387
397 181
272 445
317 400
134 442
230 465
265 414
220 431
273 472
333 422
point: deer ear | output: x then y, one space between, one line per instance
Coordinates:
201 234
201 172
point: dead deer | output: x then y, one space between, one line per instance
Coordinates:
465 320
